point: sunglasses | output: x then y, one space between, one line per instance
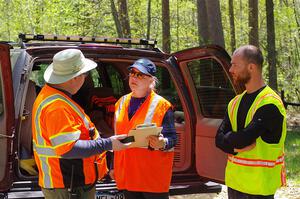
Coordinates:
138 75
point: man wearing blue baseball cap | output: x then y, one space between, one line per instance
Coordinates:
144 172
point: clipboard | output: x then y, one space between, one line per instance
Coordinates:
141 132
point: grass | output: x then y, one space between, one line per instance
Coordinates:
292 155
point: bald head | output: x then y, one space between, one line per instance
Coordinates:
251 54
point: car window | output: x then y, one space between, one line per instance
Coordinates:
14 57
116 81
214 90
37 74
166 89
96 78
108 76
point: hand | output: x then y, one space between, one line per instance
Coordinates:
111 174
116 144
157 142
247 148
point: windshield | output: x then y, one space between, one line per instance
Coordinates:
14 57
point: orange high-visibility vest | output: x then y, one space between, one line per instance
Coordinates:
57 122
140 169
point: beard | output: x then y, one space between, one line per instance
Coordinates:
242 79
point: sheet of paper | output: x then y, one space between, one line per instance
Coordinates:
141 133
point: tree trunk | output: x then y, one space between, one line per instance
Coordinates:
296 13
149 19
116 18
203 31
124 18
166 37
253 22
232 26
271 44
177 26
215 22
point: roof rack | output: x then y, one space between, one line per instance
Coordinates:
86 39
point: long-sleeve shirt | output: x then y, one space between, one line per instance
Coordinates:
266 123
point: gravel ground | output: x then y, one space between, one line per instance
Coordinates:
292 191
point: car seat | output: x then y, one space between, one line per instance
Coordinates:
27 162
102 106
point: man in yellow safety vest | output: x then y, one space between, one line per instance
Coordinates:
253 131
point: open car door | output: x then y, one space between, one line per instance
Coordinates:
6 118
205 73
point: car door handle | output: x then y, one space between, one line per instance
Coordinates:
25 114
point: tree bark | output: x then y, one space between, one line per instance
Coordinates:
177 26
253 22
296 16
202 20
116 18
148 19
271 45
232 26
166 37
215 22
124 18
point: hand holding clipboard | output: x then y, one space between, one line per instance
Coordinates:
141 132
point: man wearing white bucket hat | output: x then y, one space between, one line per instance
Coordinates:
65 142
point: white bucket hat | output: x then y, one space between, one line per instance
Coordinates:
66 65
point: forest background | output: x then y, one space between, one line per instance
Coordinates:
273 25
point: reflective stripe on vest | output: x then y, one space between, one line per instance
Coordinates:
152 108
256 162
234 103
117 113
43 151
261 98
64 138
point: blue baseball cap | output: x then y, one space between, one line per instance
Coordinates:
145 66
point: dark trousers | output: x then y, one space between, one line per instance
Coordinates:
234 194
145 195
78 193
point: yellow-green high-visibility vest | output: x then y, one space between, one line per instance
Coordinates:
259 171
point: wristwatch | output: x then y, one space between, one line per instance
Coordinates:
165 143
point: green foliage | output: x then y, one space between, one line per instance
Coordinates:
292 155
94 18
38 75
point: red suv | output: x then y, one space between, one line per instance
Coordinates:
196 81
